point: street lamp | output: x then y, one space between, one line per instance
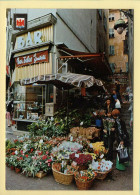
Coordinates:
120 24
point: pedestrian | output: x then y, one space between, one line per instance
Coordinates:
118 86
127 91
109 134
122 136
108 106
9 111
113 98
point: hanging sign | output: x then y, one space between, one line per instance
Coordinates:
32 59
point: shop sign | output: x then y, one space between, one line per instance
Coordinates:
32 59
25 42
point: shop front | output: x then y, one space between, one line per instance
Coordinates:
32 58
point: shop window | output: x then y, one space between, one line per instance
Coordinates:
111 33
111 50
126 66
125 46
111 17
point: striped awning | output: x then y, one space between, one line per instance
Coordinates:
68 80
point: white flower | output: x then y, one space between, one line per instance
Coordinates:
52 119
41 141
81 123
102 156
16 152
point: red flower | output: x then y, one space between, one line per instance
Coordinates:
31 149
40 153
15 140
44 157
21 151
13 153
21 158
47 152
50 160
26 155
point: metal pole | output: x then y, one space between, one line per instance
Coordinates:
67 107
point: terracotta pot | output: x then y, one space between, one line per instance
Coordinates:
12 167
18 170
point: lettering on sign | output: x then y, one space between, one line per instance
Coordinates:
22 42
32 59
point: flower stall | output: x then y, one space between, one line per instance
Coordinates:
67 158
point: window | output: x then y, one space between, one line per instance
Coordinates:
126 66
111 17
125 47
111 50
105 23
111 33
112 66
100 13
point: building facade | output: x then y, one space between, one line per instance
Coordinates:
50 34
118 48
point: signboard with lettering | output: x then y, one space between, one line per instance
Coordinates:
32 59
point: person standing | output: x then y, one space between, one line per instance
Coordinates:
118 85
113 98
9 111
122 135
108 106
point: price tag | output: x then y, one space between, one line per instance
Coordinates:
77 155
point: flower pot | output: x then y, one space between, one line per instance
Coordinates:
18 170
12 167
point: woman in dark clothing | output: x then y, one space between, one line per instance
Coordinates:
108 106
122 135
117 83
109 134
9 111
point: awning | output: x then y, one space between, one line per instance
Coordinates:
65 81
96 62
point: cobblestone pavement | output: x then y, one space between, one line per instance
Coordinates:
118 180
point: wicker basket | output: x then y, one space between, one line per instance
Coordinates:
81 185
102 175
62 178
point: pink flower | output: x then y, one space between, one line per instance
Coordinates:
50 160
49 164
47 152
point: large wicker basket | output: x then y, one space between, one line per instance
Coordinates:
102 175
62 178
84 185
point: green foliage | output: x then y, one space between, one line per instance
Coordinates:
9 144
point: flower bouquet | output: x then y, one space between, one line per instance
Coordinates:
99 149
84 179
81 160
101 168
108 123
